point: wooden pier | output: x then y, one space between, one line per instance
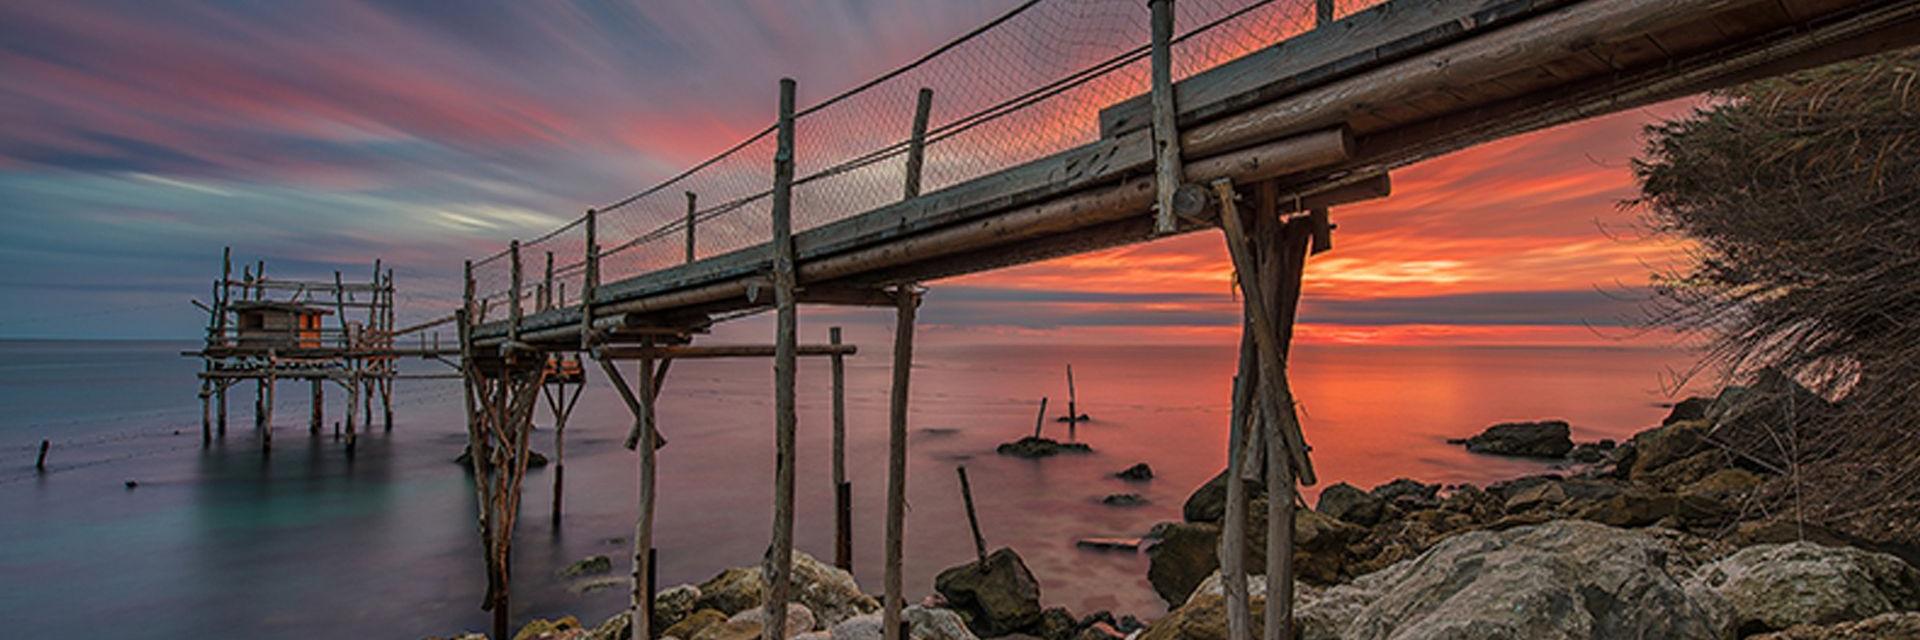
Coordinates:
1261 146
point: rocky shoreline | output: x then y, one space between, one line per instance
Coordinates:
1656 537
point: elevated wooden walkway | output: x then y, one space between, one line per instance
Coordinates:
1327 113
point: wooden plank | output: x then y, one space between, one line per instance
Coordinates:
1365 39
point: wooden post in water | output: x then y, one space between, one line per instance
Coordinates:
693 205
266 422
973 519
641 612
1233 538
1167 173
908 301
780 557
1073 408
318 400
1041 418
40 462
842 490
220 411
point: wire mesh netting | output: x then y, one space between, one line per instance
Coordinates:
1028 84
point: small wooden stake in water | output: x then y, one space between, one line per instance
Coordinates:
973 520
1073 408
1040 419
40 464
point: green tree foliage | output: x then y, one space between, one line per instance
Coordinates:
1800 198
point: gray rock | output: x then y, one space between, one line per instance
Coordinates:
1348 503
1694 408
924 623
799 620
1886 626
1539 439
1136 472
997 596
1560 580
1777 586
673 604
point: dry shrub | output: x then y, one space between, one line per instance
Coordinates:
1800 198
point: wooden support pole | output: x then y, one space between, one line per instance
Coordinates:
917 141
641 612
842 491
546 286
220 411
780 557
266 422
589 281
206 412
1041 418
353 409
973 519
1073 408
693 205
40 462
1166 138
909 301
318 400
1233 538
1322 217
513 328
1275 399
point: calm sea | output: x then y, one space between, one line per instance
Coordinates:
307 542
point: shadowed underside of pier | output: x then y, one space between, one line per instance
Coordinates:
1326 113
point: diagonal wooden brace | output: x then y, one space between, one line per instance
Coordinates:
633 401
1276 398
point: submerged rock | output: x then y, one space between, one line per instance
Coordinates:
534 458
1539 439
592 565
1136 472
1124 500
996 596
1038 447
1109 544
1777 586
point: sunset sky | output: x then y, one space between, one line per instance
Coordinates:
138 138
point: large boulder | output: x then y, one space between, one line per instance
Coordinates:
1347 502
1886 626
923 623
565 628
1637 508
692 624
1560 580
674 604
997 596
829 592
1538 439
1182 557
1694 408
1209 502
1665 445
799 620
1187 552
1777 586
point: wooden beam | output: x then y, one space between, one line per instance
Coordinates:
845 296
702 352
